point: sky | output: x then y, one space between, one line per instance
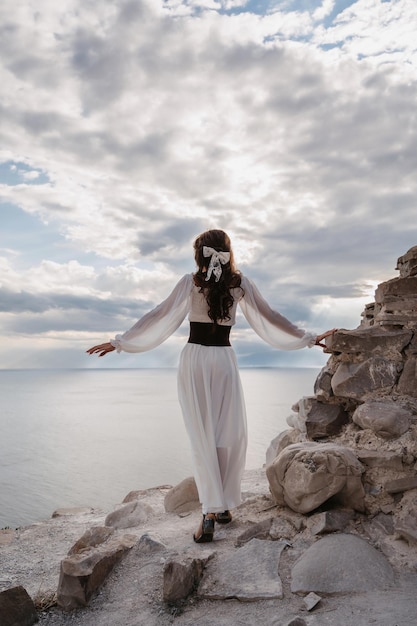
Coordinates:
129 127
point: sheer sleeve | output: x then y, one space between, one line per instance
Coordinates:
270 325
156 326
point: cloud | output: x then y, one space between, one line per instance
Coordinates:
130 127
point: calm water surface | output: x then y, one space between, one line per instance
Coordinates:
88 437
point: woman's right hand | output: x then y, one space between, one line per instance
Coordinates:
102 349
323 336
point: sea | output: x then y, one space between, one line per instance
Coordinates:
87 437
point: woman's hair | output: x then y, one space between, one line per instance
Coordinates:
217 294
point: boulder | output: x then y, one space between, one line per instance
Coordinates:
354 380
183 497
341 563
323 384
281 441
133 513
407 263
182 577
401 484
17 608
250 574
407 381
331 521
84 572
385 419
91 538
325 420
369 340
306 475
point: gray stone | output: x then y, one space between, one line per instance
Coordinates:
368 340
281 441
385 419
407 263
354 380
331 521
251 573
83 573
311 600
91 538
133 513
182 577
306 475
341 563
325 420
149 545
260 530
17 608
64 512
401 484
407 384
380 459
323 384
398 287
183 497
407 529
294 621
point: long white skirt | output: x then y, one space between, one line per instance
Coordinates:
213 407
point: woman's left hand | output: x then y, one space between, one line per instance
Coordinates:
323 336
102 349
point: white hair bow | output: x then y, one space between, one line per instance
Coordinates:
217 260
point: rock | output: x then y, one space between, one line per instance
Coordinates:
311 601
401 484
17 608
407 264
323 384
407 382
91 538
369 340
128 515
331 521
341 563
149 545
249 574
407 529
294 621
83 573
181 578
306 475
380 459
260 530
72 511
325 420
302 408
6 536
385 419
354 380
281 529
281 441
183 497
396 287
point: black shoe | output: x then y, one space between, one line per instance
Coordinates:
206 531
224 518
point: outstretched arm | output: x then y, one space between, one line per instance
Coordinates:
102 349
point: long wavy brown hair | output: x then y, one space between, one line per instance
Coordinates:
217 294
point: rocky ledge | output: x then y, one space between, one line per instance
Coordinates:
326 533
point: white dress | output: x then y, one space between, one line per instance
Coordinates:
209 387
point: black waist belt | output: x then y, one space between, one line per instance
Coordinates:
207 334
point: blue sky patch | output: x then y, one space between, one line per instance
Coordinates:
14 173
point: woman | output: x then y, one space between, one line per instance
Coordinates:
209 387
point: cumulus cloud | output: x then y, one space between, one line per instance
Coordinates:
130 127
